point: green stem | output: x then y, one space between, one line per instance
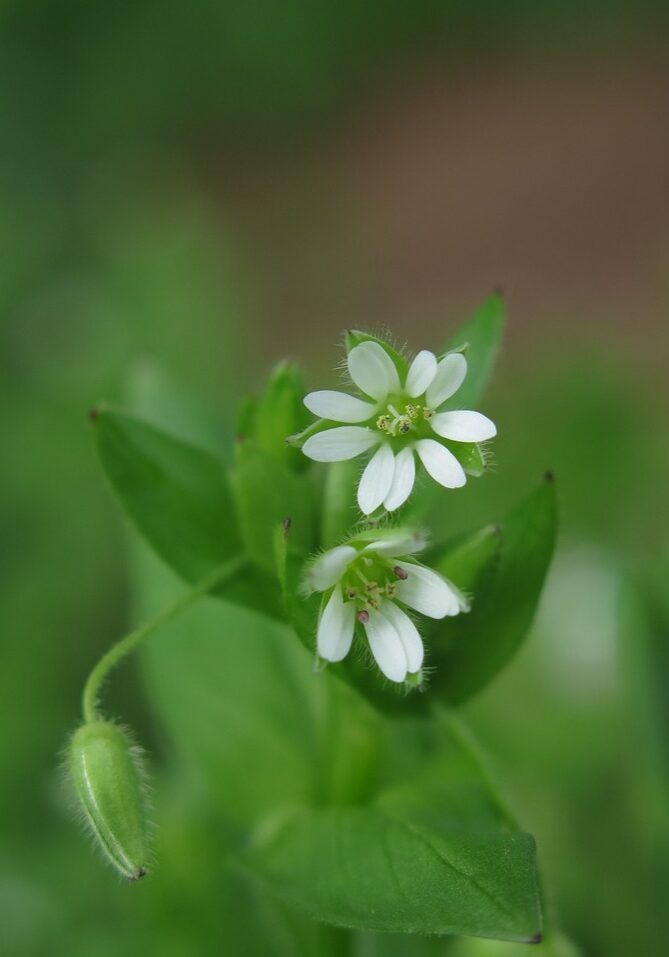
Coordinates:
123 647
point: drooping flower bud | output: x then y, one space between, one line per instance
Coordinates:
106 772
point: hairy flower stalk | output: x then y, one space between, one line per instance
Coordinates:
367 585
398 420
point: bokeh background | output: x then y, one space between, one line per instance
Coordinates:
208 189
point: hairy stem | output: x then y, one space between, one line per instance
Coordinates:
126 645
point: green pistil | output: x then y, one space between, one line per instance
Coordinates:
399 419
381 583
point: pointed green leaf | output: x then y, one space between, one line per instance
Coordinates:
281 413
506 581
177 495
482 334
435 856
268 493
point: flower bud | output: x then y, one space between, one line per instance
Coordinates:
107 776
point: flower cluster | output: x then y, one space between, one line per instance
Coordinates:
401 414
398 420
369 584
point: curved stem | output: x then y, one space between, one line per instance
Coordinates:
123 647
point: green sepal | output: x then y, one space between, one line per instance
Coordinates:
106 773
297 440
470 455
354 337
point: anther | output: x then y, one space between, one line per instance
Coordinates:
401 572
383 423
404 424
363 617
427 413
412 410
352 593
391 589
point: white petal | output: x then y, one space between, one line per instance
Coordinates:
402 543
421 373
429 593
338 406
330 566
440 463
386 646
335 628
372 370
450 375
335 445
411 640
376 479
463 426
403 479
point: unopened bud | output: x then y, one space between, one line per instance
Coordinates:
105 769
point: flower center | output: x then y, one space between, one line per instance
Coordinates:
402 420
368 580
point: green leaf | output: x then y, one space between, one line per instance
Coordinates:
281 413
177 495
482 334
340 510
434 857
505 570
268 493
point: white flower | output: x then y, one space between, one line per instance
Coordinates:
398 420
369 584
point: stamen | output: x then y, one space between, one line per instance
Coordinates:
383 423
363 616
401 573
412 410
427 413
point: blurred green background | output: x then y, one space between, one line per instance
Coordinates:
208 189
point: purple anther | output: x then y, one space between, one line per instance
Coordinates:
401 572
363 616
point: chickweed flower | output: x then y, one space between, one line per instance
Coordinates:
367 585
398 420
